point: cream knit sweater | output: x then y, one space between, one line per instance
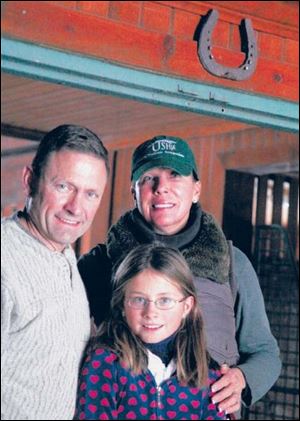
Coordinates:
44 324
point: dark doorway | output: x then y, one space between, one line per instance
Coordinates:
261 217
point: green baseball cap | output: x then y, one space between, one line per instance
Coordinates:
163 151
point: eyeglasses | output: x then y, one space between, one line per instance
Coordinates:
163 303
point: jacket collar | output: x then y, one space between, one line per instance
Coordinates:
159 371
202 242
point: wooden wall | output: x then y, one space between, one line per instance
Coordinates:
160 36
214 154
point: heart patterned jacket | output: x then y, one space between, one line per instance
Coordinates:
109 391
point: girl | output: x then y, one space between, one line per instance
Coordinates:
148 360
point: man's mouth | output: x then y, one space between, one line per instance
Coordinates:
68 221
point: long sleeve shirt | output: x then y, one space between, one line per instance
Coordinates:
45 326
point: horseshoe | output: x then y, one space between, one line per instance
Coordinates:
245 70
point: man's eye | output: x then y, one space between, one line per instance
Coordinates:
62 187
92 195
175 174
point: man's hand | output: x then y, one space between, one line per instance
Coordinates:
228 389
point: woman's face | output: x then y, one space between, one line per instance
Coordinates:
164 198
150 323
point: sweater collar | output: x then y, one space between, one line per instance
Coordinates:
18 216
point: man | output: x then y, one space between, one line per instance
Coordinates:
166 189
45 320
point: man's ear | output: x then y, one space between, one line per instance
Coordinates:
27 176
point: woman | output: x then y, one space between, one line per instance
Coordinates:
166 189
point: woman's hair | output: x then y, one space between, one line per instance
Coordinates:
190 351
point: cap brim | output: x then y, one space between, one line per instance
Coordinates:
163 163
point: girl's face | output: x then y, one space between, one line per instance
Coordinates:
149 323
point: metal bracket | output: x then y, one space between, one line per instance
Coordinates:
245 70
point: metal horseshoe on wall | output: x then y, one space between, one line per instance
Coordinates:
245 70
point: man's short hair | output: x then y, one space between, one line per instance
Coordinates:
66 136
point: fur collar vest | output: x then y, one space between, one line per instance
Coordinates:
202 242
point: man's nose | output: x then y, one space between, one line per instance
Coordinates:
73 205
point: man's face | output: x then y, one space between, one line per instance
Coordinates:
68 196
164 198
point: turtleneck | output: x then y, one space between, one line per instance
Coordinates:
163 349
201 241
144 231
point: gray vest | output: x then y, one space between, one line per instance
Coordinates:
216 302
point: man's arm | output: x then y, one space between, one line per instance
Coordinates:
6 311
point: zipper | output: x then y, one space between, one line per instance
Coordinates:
158 399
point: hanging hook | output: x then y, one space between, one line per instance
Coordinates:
245 70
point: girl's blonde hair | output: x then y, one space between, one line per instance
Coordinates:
190 351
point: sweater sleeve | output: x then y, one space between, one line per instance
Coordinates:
259 352
6 313
97 387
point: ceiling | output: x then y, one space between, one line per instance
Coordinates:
36 105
